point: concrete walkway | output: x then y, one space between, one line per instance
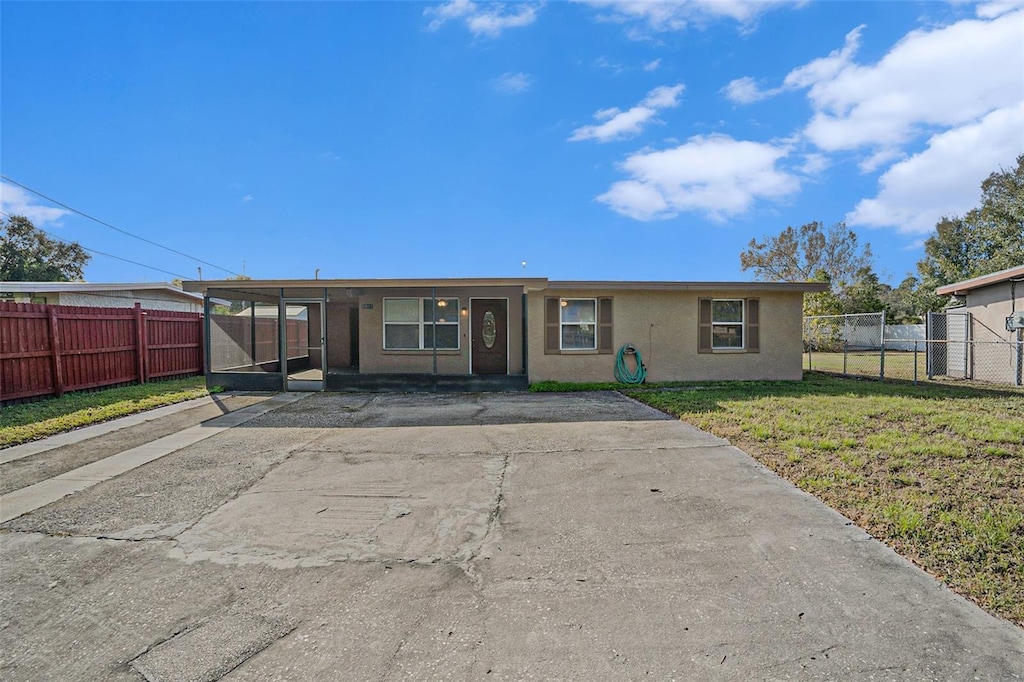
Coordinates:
513 536
37 495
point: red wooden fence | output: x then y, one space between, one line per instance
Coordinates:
48 350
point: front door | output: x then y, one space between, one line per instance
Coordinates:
489 335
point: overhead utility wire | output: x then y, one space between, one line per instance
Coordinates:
108 255
112 227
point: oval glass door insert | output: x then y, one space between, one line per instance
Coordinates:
490 329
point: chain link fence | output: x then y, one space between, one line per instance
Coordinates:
942 350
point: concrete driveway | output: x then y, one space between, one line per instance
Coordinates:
495 536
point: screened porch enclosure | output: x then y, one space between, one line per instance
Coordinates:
354 337
248 333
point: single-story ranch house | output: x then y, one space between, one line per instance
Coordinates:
493 334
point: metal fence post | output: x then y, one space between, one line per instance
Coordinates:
1020 359
881 361
915 362
844 357
881 364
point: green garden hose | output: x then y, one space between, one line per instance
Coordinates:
622 372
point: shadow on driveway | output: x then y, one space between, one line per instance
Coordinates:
346 411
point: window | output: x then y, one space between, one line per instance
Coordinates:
410 323
569 325
727 324
579 323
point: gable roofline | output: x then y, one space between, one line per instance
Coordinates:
961 288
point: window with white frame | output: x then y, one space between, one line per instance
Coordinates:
579 324
411 323
727 324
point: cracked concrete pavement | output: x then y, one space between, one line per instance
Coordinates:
490 536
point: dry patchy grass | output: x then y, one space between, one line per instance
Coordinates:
936 472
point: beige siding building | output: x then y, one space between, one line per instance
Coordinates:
993 348
495 334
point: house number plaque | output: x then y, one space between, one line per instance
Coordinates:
490 330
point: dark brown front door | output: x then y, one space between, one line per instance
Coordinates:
489 335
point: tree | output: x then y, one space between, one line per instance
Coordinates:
907 303
811 253
986 239
866 294
27 254
798 255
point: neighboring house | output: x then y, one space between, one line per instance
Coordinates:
153 296
976 326
481 334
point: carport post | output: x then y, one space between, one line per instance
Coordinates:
206 334
282 338
252 331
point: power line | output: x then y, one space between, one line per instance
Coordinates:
101 253
112 227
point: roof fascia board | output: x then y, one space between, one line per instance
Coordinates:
253 284
690 286
961 288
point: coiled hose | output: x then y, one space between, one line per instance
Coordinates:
622 372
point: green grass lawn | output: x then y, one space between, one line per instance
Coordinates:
936 472
898 364
31 421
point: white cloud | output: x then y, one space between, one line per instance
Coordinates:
961 85
824 68
620 125
746 90
247 198
663 96
488 19
814 164
945 178
652 65
941 78
991 10
512 83
879 159
714 175
657 16
16 201
605 63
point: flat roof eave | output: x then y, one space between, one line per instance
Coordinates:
961 288
201 286
527 283
686 286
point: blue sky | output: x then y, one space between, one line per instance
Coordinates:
594 140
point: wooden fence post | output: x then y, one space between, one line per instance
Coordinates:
140 342
58 364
